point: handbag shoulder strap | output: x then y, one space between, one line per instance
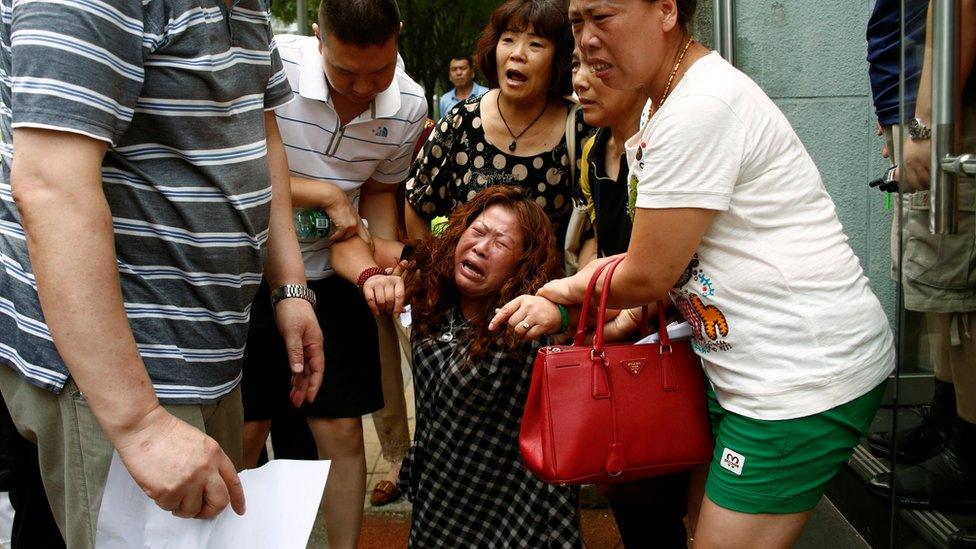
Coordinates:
571 141
584 179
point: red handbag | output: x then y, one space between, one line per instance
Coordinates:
613 413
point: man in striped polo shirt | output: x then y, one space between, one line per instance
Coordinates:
349 136
143 183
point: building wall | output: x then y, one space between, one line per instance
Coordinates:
810 58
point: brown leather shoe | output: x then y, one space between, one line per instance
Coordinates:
383 493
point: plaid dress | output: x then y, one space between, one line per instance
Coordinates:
464 474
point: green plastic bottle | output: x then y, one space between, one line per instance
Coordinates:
313 223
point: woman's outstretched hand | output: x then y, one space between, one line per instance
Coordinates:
530 316
570 290
384 294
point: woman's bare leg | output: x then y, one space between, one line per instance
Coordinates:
720 527
696 492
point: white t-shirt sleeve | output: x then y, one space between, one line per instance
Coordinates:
691 157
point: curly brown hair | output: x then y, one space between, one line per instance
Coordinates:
429 279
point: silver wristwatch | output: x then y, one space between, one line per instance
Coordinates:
918 131
292 290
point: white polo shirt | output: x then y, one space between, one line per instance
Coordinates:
377 144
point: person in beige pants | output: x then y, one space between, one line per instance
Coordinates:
390 422
938 278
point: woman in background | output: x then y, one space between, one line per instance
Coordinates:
515 133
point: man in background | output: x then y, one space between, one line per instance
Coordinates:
461 73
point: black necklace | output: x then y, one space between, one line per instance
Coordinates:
514 143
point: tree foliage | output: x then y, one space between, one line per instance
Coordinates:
433 32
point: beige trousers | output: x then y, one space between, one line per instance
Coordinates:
391 421
952 339
75 454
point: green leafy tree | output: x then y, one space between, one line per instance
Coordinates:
433 32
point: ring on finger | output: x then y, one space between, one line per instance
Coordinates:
526 325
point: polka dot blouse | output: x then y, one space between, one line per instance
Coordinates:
458 161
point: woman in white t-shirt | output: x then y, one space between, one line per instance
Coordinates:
733 222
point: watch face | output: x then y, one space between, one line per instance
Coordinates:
917 129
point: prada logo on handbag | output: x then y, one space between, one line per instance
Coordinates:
634 366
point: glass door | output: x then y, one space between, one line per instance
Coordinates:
929 442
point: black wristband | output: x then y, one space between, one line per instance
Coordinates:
407 252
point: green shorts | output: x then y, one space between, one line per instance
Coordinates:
783 466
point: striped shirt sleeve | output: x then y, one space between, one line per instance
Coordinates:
77 65
279 91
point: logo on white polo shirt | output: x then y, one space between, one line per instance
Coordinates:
733 461
382 131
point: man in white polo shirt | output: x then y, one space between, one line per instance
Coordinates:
349 136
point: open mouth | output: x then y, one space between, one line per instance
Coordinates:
515 77
471 270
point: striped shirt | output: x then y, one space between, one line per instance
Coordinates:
378 144
178 88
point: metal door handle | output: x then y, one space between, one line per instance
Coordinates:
963 165
945 65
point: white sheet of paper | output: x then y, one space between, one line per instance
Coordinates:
282 500
676 330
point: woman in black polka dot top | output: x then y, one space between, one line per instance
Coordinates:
512 135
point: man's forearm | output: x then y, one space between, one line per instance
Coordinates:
284 264
56 179
417 227
350 257
967 57
378 206
312 193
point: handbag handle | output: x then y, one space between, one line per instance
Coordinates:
581 327
602 312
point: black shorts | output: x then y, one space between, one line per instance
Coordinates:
351 385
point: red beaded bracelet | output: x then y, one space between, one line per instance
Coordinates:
368 272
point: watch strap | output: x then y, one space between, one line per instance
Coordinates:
286 291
